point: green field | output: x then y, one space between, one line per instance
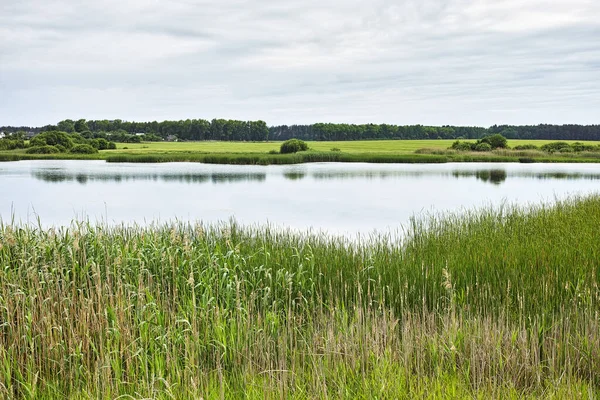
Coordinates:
488 304
364 146
384 151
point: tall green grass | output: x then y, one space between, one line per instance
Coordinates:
267 159
499 303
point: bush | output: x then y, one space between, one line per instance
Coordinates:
555 146
566 150
52 138
77 138
462 146
83 149
273 152
335 149
483 147
526 147
99 143
496 141
42 150
112 146
578 146
12 144
293 146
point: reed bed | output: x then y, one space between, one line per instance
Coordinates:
495 303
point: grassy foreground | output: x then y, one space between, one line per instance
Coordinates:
492 304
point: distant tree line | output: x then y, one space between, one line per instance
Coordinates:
189 129
342 132
233 130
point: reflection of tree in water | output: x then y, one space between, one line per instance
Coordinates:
294 176
54 176
495 176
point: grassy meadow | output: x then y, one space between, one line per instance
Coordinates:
496 303
353 147
372 151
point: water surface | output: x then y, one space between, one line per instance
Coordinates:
338 198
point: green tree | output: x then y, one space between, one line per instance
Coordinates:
81 126
66 126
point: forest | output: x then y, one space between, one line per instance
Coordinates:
339 132
235 130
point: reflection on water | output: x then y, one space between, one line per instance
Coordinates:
294 175
494 176
340 198
83 178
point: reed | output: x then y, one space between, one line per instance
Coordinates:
494 303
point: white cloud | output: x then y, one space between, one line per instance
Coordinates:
301 61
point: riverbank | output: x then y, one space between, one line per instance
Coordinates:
389 151
491 304
505 156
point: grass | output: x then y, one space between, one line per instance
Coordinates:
374 151
355 147
497 303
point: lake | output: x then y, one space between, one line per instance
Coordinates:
333 197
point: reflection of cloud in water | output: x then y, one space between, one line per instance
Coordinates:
57 176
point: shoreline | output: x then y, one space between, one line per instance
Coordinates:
307 157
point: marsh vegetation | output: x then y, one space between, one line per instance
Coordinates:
494 303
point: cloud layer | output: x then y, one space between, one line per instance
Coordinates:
435 62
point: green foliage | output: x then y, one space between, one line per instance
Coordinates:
12 144
555 146
526 147
81 126
189 311
566 150
44 149
53 138
483 147
496 141
100 143
151 137
463 146
564 147
66 126
78 138
83 149
488 143
293 146
335 149
578 147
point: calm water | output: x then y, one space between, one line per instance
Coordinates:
338 198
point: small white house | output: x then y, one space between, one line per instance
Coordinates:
2 134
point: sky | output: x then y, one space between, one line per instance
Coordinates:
430 62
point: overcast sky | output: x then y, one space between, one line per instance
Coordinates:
433 62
